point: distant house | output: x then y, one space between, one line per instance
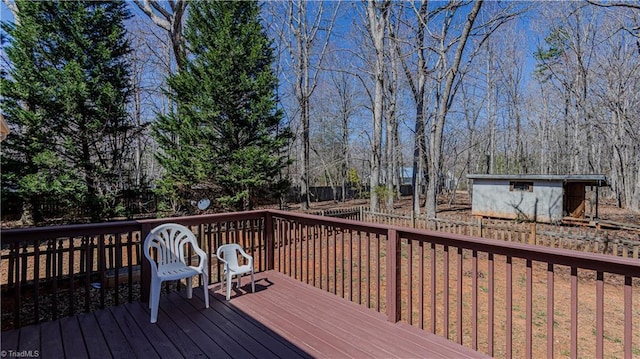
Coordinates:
541 198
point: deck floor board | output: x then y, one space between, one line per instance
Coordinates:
93 332
283 319
50 338
72 342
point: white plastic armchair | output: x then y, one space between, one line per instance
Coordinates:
228 255
169 241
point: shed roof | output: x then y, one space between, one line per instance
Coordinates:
593 179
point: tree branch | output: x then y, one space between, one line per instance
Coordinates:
147 7
629 5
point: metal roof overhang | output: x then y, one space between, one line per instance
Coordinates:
593 179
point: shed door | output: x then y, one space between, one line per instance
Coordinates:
574 200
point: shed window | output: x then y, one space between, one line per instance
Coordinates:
521 186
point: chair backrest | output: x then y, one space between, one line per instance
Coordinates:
230 254
170 241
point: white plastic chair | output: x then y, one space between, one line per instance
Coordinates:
170 243
231 267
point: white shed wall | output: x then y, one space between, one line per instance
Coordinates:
492 198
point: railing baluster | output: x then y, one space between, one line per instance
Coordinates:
342 265
409 282
88 267
433 288
491 305
102 269
327 242
350 261
628 317
11 275
368 261
280 246
335 263
130 259
550 309
574 312
421 285
314 254
321 235
249 228
459 301
474 301
72 277
36 279
509 314
378 264
359 263
599 314
307 260
25 265
445 294
529 315
293 227
303 246
54 277
287 236
17 287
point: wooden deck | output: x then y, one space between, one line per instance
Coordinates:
284 318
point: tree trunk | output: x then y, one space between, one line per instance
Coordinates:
437 131
377 30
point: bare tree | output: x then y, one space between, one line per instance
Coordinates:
377 13
450 73
306 31
345 101
169 19
417 84
510 70
393 150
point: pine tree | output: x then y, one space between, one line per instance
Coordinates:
226 135
65 95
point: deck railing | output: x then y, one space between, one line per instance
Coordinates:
51 272
501 298
504 299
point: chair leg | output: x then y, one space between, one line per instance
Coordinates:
154 299
229 282
190 287
205 285
222 281
239 276
253 284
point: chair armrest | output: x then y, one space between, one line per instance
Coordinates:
203 257
152 262
248 257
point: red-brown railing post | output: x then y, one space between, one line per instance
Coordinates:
145 271
268 228
394 299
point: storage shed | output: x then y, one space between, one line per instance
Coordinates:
541 198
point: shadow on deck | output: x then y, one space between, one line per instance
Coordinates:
284 318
